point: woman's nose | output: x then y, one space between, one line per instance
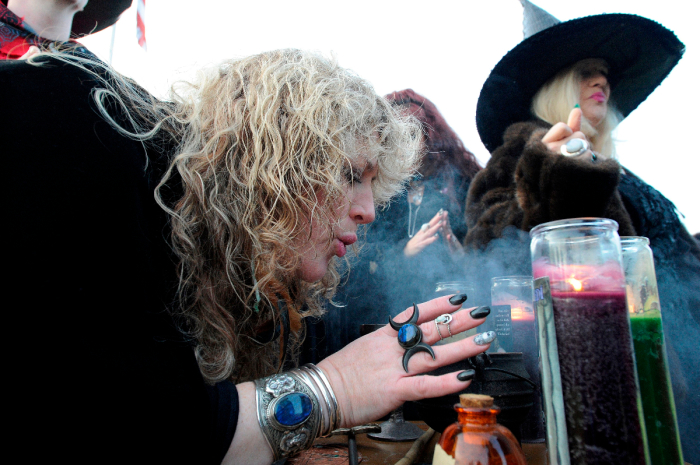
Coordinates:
362 207
598 81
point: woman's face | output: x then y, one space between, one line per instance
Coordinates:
595 90
356 208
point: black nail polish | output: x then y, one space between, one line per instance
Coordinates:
458 299
480 312
466 375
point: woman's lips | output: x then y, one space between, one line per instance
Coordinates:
598 97
340 249
342 242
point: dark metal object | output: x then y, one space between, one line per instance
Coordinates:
503 376
397 430
411 321
414 345
352 441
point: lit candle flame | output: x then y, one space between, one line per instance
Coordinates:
575 283
516 313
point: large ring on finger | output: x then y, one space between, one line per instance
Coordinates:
443 320
574 147
410 337
424 226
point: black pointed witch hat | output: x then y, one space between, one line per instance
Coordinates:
639 51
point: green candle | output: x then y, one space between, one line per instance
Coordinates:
655 387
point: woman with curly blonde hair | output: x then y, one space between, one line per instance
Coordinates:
167 252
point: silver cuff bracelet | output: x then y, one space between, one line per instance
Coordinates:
294 408
288 413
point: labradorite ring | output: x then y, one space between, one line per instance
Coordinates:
443 320
410 337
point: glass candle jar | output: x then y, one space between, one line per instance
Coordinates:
650 352
515 294
583 260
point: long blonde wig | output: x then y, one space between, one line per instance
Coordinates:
258 139
556 98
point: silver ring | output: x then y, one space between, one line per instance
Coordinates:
424 226
444 319
574 147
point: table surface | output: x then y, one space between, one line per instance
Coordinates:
334 450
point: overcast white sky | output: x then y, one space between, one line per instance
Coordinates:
443 49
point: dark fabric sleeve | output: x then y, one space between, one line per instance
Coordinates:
97 370
524 184
223 400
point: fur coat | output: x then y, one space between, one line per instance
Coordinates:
524 184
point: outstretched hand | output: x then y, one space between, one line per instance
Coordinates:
561 133
368 378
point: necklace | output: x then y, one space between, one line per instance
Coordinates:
415 197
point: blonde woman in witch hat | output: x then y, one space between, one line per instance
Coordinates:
546 113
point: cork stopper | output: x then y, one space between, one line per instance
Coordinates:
475 400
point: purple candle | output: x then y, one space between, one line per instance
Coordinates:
592 331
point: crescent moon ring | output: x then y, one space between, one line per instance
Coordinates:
411 321
421 347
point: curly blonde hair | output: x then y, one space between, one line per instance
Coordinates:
257 139
555 99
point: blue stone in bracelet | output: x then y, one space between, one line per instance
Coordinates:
409 335
293 409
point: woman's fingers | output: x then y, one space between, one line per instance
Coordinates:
433 229
436 219
425 236
430 310
562 133
557 133
453 352
368 377
575 119
424 387
461 320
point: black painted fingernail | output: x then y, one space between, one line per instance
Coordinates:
458 299
466 375
480 312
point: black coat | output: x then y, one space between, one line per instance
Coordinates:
96 368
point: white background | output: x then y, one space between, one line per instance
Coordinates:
441 49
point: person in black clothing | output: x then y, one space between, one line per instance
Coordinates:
162 255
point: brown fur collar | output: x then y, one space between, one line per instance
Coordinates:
524 184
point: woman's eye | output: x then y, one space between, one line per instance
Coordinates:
353 177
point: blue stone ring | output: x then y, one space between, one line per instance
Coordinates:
410 337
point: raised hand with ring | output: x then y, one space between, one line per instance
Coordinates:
426 235
389 368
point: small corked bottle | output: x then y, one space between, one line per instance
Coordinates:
476 438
